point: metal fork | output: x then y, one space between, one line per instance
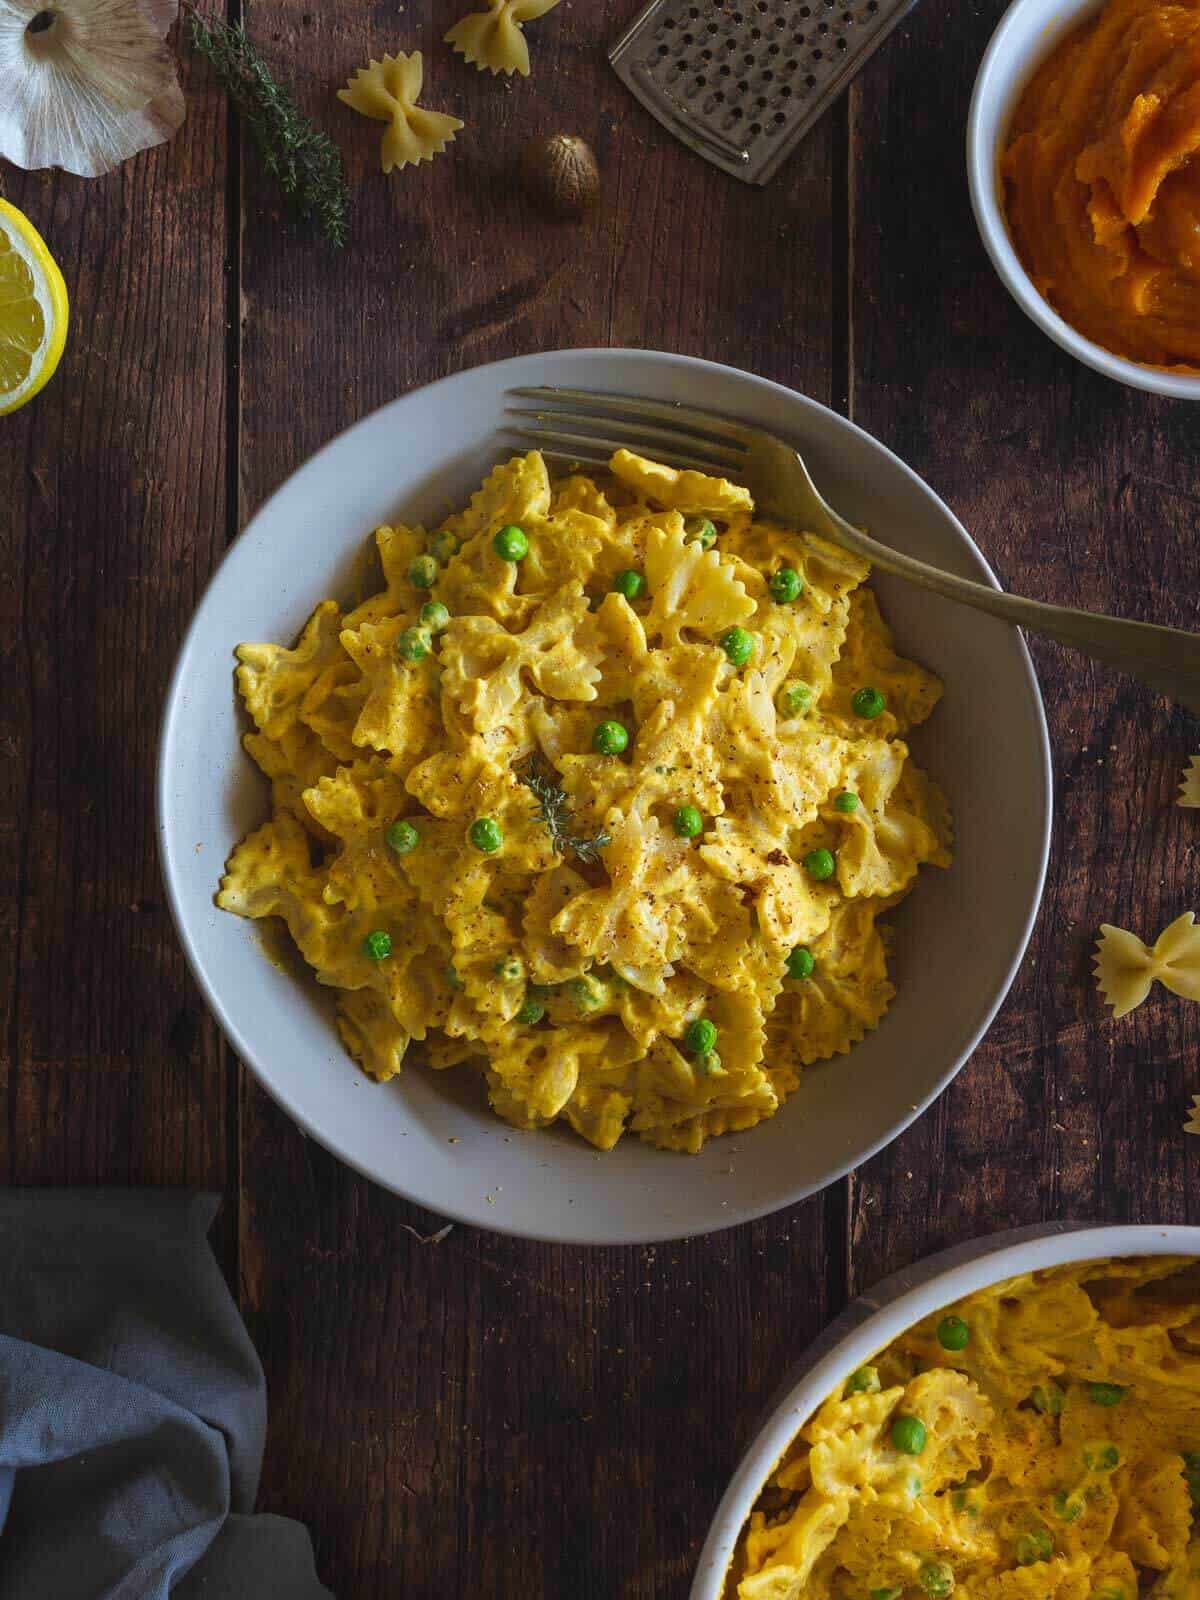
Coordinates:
587 425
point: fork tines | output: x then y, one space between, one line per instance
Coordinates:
588 425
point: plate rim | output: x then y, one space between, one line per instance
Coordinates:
393 1182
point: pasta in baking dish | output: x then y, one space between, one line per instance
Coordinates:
603 794
1038 1440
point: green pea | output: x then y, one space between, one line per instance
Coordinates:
1047 1398
700 531
1106 1394
587 993
820 864
687 822
700 1036
402 837
864 1381
794 698
414 644
1103 1460
868 703
484 833
936 1578
953 1333
846 802
610 738
738 646
423 573
377 946
786 585
531 1011
453 979
510 968
1036 1545
801 963
510 544
1067 1507
629 583
908 1435
434 616
443 547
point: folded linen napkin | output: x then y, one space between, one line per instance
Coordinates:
132 1409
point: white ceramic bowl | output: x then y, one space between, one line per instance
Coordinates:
430 1136
1028 31
870 1323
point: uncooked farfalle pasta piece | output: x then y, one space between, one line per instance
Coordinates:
492 40
1192 1125
1125 967
388 91
1189 788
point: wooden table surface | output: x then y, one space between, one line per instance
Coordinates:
483 1416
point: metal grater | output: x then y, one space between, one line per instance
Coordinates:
742 81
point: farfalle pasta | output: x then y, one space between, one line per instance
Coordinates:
1189 786
1038 1440
494 40
1126 967
603 795
388 91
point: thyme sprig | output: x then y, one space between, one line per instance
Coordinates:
554 810
305 162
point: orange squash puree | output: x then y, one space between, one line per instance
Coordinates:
1102 180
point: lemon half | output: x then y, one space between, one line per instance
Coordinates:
34 310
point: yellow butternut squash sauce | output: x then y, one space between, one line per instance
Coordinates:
1052 1452
1102 180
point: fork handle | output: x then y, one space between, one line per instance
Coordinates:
1166 659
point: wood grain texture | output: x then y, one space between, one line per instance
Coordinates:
112 513
1077 491
482 1416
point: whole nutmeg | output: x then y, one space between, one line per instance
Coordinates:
561 174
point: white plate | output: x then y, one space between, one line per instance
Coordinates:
869 1324
430 1136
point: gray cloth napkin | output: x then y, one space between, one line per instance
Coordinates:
133 1409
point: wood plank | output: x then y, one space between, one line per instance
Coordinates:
1078 491
114 507
485 1416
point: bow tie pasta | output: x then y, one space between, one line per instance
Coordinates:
603 794
1040 1440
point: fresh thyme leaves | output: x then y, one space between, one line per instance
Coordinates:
540 778
306 162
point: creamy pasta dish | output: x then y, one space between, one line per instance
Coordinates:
1039 1440
603 795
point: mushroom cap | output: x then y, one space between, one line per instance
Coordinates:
88 83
